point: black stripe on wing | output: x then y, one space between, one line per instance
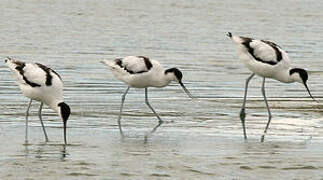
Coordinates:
275 47
20 68
246 43
148 64
119 62
49 77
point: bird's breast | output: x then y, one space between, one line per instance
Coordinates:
143 80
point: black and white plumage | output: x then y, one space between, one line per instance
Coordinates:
43 84
268 60
142 72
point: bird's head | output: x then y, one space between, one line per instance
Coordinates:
64 111
175 74
301 76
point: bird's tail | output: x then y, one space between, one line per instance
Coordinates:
115 66
108 63
14 64
229 34
236 39
8 60
17 68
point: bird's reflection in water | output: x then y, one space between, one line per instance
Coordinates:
45 150
26 150
63 152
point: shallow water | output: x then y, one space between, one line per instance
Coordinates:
201 138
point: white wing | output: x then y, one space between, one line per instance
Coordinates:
265 51
32 74
130 64
261 50
136 64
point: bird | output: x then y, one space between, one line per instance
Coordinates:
142 72
40 83
267 60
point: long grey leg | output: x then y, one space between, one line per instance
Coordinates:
269 113
123 97
41 121
27 114
160 122
242 111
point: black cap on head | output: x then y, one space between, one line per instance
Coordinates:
304 76
65 113
176 72
65 110
302 73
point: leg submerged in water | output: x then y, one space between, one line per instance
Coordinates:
27 114
242 111
123 97
41 121
160 121
268 110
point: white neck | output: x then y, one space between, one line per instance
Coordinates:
54 106
162 79
284 76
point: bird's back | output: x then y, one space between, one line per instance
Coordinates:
136 64
130 64
263 57
37 81
138 71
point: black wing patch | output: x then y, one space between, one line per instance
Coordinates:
148 64
20 68
275 47
119 62
49 77
246 43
